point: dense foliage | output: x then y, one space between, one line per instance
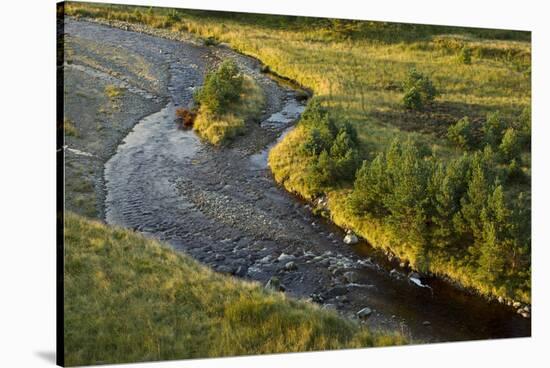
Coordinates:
419 90
221 87
333 149
452 212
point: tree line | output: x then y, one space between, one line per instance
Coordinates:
463 212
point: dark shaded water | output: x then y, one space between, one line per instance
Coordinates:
222 207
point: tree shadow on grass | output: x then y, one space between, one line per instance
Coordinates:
435 118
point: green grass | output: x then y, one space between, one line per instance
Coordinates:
129 298
357 69
221 129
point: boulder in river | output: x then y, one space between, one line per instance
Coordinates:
290 266
285 257
394 273
351 239
335 291
364 313
351 277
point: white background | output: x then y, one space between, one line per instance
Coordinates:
27 181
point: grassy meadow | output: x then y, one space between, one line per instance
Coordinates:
129 298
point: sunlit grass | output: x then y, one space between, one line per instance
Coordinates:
129 299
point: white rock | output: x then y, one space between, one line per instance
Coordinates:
364 313
351 239
285 257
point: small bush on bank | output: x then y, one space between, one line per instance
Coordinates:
227 100
221 88
333 149
419 90
186 117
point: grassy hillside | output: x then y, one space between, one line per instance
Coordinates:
475 230
129 299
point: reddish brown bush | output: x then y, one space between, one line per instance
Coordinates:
186 117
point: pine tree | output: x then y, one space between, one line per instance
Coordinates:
495 241
447 186
408 198
344 154
510 146
493 128
468 221
461 133
370 188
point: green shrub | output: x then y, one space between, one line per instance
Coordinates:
514 173
419 90
334 149
465 55
510 146
314 143
523 127
221 88
331 151
493 129
219 128
344 154
370 188
461 133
